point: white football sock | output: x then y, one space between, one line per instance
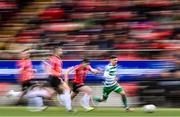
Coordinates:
66 99
35 102
85 101
60 98
38 92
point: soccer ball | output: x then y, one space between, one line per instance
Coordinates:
150 108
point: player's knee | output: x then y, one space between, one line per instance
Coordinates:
58 90
88 91
64 86
122 93
73 95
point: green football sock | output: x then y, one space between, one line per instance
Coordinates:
124 100
96 98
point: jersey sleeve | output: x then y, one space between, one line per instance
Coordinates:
76 67
89 68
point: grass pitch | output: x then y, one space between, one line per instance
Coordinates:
98 112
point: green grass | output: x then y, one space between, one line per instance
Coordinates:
98 112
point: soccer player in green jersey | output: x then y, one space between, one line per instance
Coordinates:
111 84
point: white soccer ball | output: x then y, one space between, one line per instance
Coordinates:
150 108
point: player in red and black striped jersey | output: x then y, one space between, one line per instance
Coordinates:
78 85
56 78
25 69
25 74
55 70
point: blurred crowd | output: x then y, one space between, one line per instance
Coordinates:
131 29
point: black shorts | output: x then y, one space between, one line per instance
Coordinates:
26 84
55 81
76 86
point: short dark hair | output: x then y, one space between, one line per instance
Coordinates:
113 57
85 60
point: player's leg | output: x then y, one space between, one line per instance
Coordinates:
57 84
120 91
74 93
63 91
35 103
65 96
106 92
123 95
85 100
35 98
20 94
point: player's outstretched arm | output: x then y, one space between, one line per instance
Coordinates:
95 71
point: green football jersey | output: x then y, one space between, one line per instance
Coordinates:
110 75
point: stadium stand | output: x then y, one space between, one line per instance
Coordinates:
90 25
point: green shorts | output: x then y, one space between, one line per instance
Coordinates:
107 90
